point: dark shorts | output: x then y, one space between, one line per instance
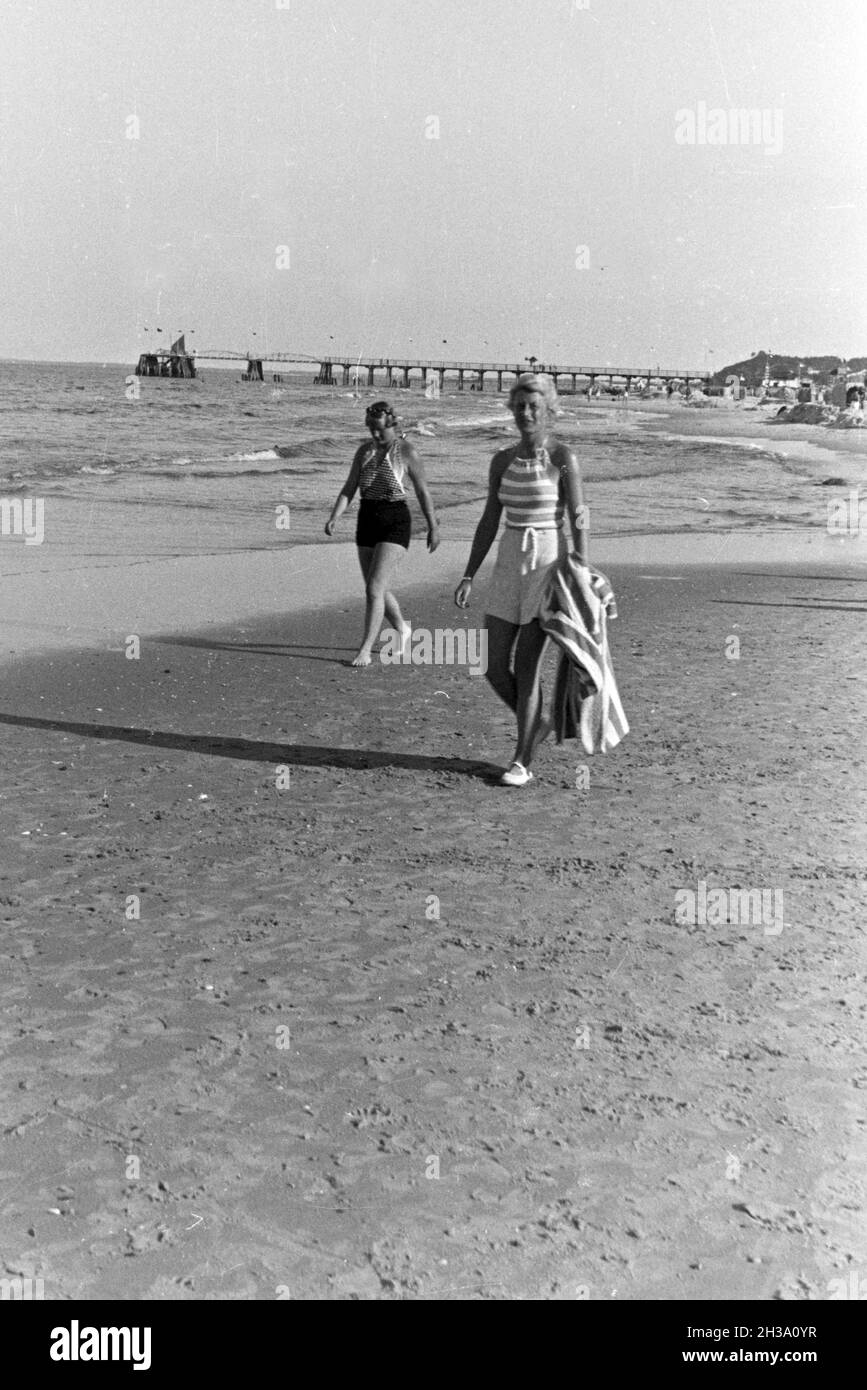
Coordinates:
383 521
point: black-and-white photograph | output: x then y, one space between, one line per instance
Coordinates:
433 524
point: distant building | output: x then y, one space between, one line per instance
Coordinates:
840 380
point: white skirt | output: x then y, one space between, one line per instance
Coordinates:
524 561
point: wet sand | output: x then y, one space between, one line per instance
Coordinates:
297 1002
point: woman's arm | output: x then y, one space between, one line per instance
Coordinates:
573 496
415 469
347 492
486 531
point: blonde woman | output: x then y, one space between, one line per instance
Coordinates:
536 483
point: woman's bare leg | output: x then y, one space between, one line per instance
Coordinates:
392 608
528 672
501 639
386 557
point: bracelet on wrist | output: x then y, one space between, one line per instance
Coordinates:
467 579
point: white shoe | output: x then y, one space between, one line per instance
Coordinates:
517 776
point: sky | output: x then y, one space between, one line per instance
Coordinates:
434 178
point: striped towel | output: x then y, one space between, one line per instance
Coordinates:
575 610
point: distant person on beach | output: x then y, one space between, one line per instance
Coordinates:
384 525
534 481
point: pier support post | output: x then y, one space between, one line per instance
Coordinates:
499 381
405 371
481 385
370 376
441 378
346 374
424 376
460 378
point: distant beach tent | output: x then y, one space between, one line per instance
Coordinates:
840 381
177 362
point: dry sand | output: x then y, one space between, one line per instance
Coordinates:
756 426
387 1030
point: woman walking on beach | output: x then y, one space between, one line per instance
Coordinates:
534 481
384 525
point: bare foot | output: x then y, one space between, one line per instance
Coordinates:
362 659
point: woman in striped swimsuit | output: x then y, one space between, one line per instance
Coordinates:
533 482
384 521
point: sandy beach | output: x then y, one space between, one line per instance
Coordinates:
298 1003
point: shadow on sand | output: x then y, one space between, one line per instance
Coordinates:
289 754
814 606
261 648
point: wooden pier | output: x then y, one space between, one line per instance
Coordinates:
399 372
359 369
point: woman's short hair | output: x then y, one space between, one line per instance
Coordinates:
542 384
378 408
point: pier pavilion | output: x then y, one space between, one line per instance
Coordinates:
174 361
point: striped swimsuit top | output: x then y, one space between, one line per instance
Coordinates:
381 476
529 496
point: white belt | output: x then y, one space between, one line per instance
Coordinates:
530 539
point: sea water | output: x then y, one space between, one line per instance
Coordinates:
161 467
